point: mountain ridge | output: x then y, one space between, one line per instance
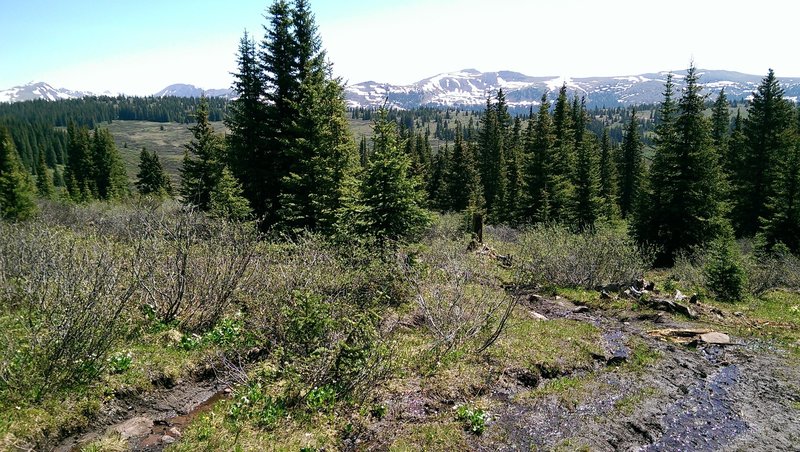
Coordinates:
469 88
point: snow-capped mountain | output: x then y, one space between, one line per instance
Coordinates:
184 90
38 90
469 88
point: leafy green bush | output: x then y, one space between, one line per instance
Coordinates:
474 419
119 362
554 255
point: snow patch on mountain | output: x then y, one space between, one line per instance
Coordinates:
469 88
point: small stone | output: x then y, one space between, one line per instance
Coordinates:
558 298
580 309
174 432
715 338
605 295
738 313
679 296
227 390
166 439
537 316
134 428
534 297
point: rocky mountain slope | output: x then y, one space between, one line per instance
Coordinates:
469 88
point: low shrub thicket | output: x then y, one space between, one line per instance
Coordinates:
461 301
64 300
556 256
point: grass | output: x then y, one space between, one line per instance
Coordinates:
440 436
153 363
213 431
551 348
774 316
641 357
628 403
131 136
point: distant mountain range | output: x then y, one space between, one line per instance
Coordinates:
469 88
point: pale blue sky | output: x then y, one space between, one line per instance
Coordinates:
140 46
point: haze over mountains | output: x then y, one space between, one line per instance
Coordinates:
469 88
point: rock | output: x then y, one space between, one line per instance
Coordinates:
604 295
537 316
693 299
227 390
174 432
166 439
580 309
738 313
558 298
715 337
679 296
635 292
134 427
170 338
535 297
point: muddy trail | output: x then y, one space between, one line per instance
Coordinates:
150 422
696 396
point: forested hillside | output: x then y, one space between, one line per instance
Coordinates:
278 271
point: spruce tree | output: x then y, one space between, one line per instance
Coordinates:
586 204
17 193
685 206
202 161
226 200
289 143
608 179
438 192
110 179
540 179
151 179
44 183
631 167
767 133
248 153
781 224
79 171
462 178
389 205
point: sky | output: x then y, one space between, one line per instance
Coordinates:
138 47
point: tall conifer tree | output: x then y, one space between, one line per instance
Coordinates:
16 189
767 133
685 177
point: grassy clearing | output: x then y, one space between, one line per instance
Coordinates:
550 349
166 139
